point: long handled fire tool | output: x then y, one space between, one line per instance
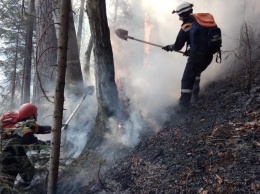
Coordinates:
90 91
123 34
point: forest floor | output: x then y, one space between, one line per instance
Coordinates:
214 147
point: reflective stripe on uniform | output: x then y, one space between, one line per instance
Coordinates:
186 90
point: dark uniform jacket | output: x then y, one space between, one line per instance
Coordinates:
183 35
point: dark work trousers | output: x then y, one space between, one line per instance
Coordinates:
14 161
196 64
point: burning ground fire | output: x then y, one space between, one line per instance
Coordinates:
147 36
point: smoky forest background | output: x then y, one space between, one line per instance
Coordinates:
53 53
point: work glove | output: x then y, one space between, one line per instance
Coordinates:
167 48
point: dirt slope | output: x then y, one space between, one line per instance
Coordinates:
212 148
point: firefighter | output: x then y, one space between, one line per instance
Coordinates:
28 112
196 63
14 160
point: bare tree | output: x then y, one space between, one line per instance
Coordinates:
46 55
106 90
14 70
116 8
28 53
48 26
86 67
59 96
246 42
74 78
81 17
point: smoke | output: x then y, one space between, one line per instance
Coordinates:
148 83
151 79
155 85
75 136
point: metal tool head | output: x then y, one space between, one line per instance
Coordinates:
121 33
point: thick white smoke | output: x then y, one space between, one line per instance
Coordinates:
154 86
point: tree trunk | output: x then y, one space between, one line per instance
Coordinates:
86 68
46 58
28 54
107 94
116 7
81 17
14 70
59 96
74 74
74 78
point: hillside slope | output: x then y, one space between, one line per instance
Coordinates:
212 148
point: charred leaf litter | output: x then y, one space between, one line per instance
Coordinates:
212 148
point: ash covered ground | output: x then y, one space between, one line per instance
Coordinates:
212 148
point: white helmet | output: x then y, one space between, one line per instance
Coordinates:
183 7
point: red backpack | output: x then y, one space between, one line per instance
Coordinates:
8 120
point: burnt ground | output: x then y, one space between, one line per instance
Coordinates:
212 148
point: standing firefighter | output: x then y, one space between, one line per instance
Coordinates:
17 132
203 39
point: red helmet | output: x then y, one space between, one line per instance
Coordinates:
27 110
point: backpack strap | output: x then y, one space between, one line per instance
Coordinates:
186 27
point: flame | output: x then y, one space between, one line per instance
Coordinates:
147 36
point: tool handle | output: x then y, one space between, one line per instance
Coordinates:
150 43
144 41
90 91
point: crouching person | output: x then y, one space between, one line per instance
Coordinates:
15 142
